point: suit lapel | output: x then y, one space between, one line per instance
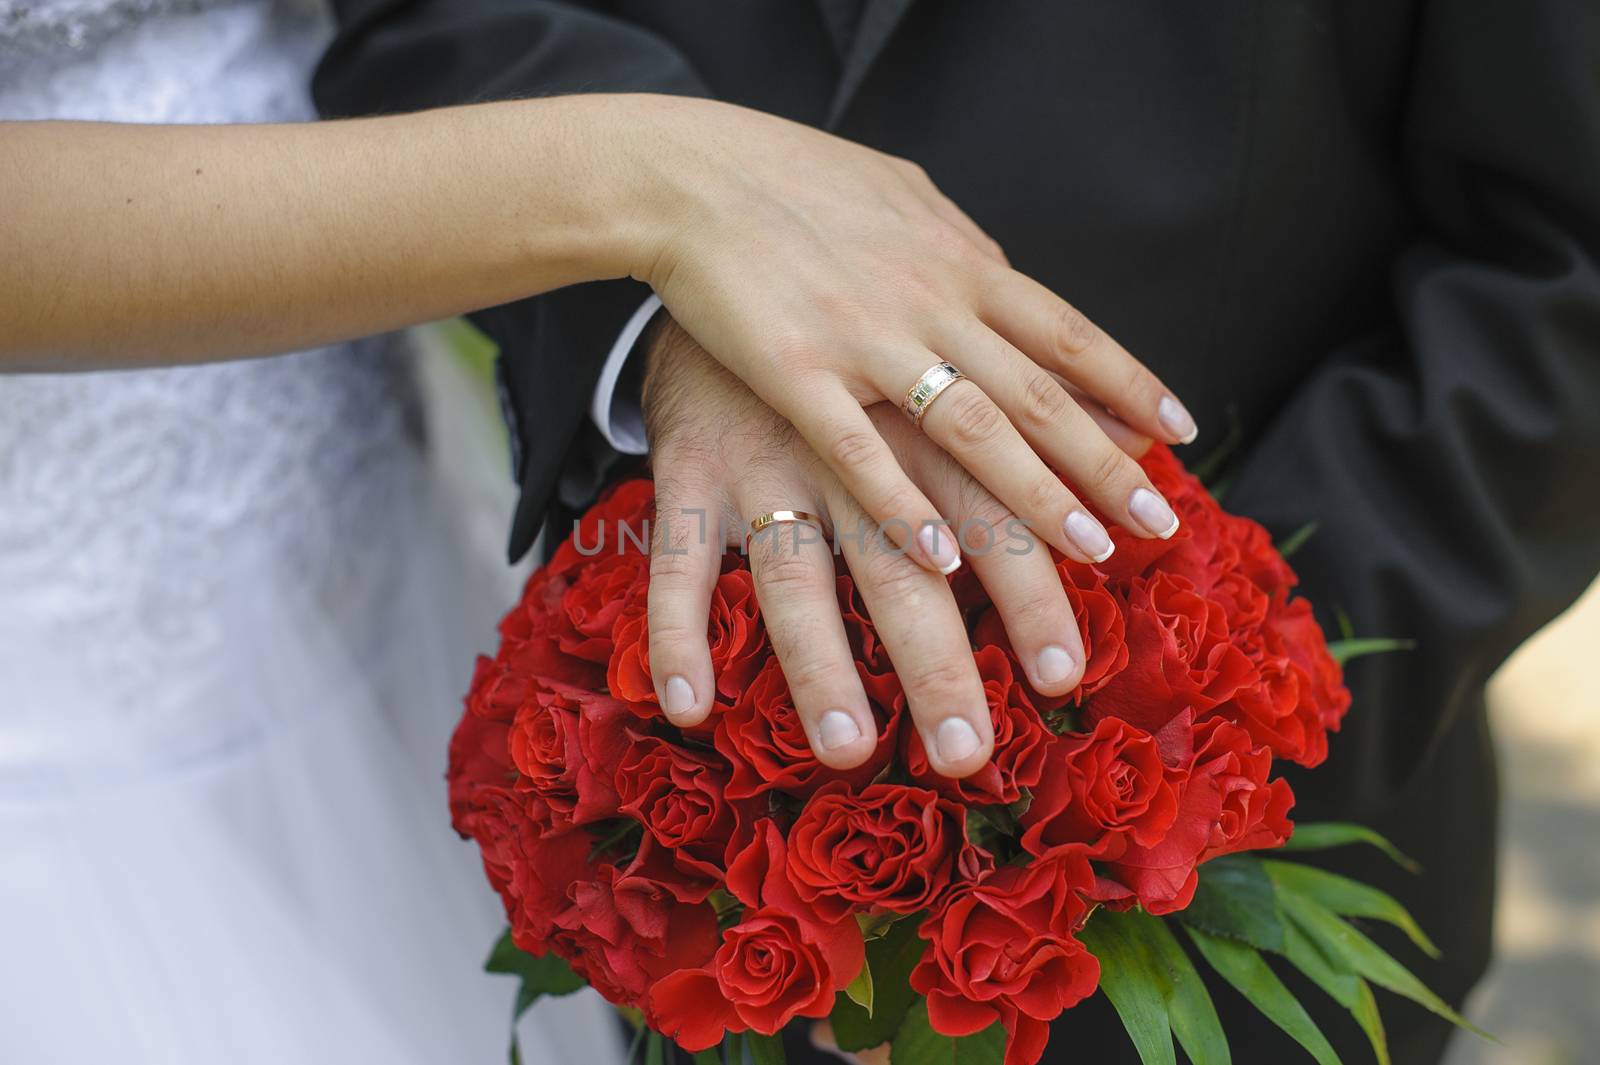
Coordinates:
878 21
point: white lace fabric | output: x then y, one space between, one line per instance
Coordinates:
132 503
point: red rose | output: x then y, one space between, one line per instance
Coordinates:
567 745
1100 627
680 797
1306 646
1180 655
1301 692
591 606
1255 810
766 745
738 642
889 847
783 960
625 930
1019 740
1004 949
1247 547
1227 804
617 524
872 658
1104 788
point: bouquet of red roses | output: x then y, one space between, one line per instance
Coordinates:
720 882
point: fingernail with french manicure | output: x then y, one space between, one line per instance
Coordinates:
1088 536
1151 511
838 729
956 739
1176 420
937 543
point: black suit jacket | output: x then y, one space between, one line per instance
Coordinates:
1366 231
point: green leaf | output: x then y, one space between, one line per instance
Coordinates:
548 975
1235 898
1342 620
708 1057
876 925
1344 650
859 990
1129 978
765 1049
1297 539
1346 988
1211 465
1243 967
891 959
655 1049
1347 897
1189 1007
1328 834
916 1043
1328 974
1341 942
1366 1014
1152 960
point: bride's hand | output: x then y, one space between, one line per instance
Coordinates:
829 276
721 457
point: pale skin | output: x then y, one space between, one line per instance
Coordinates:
718 450
825 275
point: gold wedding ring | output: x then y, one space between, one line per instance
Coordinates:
927 389
778 517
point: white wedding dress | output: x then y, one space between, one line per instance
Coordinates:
235 627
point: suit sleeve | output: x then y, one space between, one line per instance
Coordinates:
408 55
1453 464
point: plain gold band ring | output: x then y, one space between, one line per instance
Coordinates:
779 517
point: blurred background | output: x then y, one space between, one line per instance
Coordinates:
1542 996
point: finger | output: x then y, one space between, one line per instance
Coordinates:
916 617
1059 337
1062 432
967 424
685 558
839 430
1014 567
795 584
1129 439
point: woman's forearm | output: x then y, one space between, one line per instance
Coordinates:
124 245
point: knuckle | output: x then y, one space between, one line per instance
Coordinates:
782 570
669 633
1037 609
1046 495
670 566
1074 332
811 673
945 674
1111 466
1142 384
854 451
895 578
974 420
984 518
1044 403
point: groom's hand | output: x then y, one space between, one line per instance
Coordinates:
721 457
